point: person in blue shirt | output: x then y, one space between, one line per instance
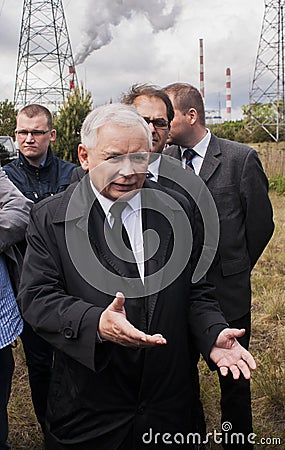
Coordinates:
14 216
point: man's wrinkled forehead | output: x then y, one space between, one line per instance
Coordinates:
113 136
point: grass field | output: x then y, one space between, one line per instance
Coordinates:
267 346
272 156
267 343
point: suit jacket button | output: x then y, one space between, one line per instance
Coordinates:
141 410
68 333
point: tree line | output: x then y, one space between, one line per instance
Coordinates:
69 119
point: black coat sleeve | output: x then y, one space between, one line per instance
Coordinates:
68 323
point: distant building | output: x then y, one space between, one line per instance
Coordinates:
213 117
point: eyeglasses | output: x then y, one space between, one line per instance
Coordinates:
34 133
157 123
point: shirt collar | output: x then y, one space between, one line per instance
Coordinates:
134 203
201 147
153 167
42 164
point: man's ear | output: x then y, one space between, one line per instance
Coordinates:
53 136
191 116
83 156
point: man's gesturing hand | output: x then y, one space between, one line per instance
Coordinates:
114 327
228 354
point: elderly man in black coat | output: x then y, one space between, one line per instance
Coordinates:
108 282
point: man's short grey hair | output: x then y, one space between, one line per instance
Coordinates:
114 113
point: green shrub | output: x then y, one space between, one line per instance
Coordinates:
277 184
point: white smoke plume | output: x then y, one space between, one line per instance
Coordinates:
103 14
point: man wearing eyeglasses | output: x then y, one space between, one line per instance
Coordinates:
154 105
156 108
38 174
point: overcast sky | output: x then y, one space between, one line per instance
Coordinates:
154 41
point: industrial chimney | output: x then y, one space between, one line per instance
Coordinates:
202 87
228 95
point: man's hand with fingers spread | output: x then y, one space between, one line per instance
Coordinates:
114 327
228 354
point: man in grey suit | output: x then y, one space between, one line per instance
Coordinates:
234 175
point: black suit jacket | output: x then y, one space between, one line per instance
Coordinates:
77 174
234 175
100 390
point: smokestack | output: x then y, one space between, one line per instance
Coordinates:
71 77
228 95
202 87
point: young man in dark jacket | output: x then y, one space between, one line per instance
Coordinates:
38 174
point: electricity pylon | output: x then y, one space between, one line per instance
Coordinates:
268 80
45 67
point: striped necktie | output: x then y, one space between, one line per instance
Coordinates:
189 155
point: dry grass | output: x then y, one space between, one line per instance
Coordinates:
25 433
272 156
267 345
267 342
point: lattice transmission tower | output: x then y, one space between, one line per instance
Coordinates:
45 67
268 80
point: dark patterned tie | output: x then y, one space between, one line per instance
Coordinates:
135 307
118 230
189 154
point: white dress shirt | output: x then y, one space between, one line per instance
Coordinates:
153 167
132 221
200 149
